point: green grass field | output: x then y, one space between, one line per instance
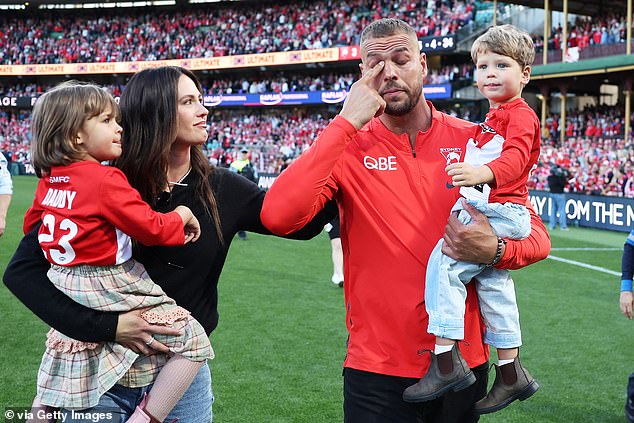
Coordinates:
281 338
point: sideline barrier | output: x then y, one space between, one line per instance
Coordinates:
591 211
612 213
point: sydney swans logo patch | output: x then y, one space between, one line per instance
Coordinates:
451 155
486 129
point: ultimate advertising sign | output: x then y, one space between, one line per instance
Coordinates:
443 43
323 55
612 213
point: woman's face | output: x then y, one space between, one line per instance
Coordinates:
192 115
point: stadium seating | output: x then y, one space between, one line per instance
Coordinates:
594 36
599 159
212 31
593 148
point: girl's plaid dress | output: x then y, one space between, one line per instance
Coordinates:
74 374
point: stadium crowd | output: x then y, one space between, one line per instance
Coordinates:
21 89
211 32
591 122
597 166
594 152
451 73
273 137
15 135
587 31
599 161
280 82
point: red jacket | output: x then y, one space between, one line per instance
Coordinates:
394 202
512 160
90 211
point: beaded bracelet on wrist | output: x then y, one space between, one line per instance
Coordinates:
498 253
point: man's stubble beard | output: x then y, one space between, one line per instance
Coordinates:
403 108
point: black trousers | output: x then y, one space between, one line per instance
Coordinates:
375 398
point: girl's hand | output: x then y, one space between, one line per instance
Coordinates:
190 223
192 230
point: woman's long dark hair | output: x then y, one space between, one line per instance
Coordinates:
149 119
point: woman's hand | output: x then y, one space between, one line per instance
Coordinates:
135 333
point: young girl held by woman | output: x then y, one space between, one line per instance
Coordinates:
89 213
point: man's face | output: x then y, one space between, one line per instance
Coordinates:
401 80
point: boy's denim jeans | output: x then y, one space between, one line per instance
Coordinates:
445 291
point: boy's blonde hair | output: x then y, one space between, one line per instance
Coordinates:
58 116
506 40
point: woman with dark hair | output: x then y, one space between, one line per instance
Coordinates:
164 126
